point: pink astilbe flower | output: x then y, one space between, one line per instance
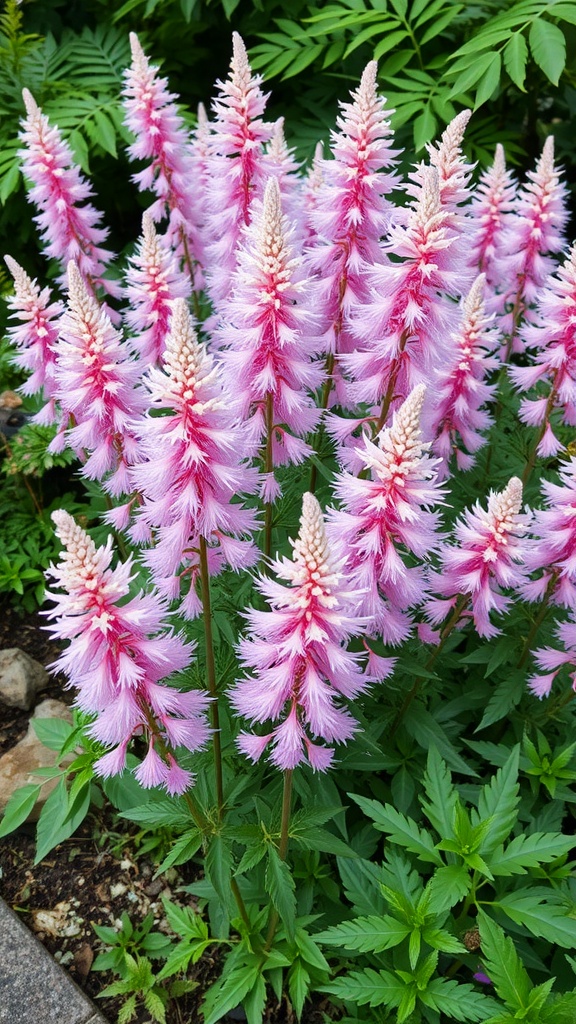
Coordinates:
458 417
297 655
488 555
34 337
351 211
96 373
454 172
550 660
278 162
236 164
118 652
492 203
310 191
553 337
69 226
161 138
191 467
532 236
402 330
552 552
387 517
153 281
270 335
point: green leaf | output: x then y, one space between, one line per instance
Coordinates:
506 696
515 57
298 986
227 994
282 890
366 934
424 728
59 819
489 82
548 47
184 921
529 852
375 988
218 866
171 812
19 807
182 850
401 829
544 919
456 1001
442 797
498 801
309 951
503 965
52 732
448 886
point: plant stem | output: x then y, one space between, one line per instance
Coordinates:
413 692
211 674
240 903
197 813
532 457
542 613
319 434
282 849
268 468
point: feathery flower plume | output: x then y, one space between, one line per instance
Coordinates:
552 552
531 237
351 211
386 517
297 655
270 335
161 138
454 172
402 330
69 226
492 203
486 558
191 466
97 375
153 281
458 417
310 190
118 653
553 337
550 661
34 337
278 162
238 137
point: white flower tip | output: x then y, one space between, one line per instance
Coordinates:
368 80
32 108
507 503
64 524
202 116
148 228
499 164
14 267
76 288
138 55
239 61
473 304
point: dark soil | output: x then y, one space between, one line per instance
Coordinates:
96 875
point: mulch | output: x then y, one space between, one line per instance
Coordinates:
97 874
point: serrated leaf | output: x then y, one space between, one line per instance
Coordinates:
218 867
366 934
515 58
158 813
309 951
442 797
498 802
456 1001
530 851
298 986
229 993
439 938
506 696
184 921
548 46
182 850
401 829
544 919
375 988
282 890
503 965
448 886
59 819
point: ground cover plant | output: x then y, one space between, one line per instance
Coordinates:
328 412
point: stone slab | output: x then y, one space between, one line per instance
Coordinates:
34 989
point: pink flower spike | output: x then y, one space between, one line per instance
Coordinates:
387 516
454 172
96 376
118 652
192 465
153 281
458 417
69 230
270 337
161 138
236 168
35 336
490 209
297 655
486 560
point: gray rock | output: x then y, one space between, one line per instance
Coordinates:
21 678
17 765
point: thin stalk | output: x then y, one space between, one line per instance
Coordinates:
414 691
542 613
268 468
282 850
240 903
319 434
211 674
197 813
387 400
532 457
